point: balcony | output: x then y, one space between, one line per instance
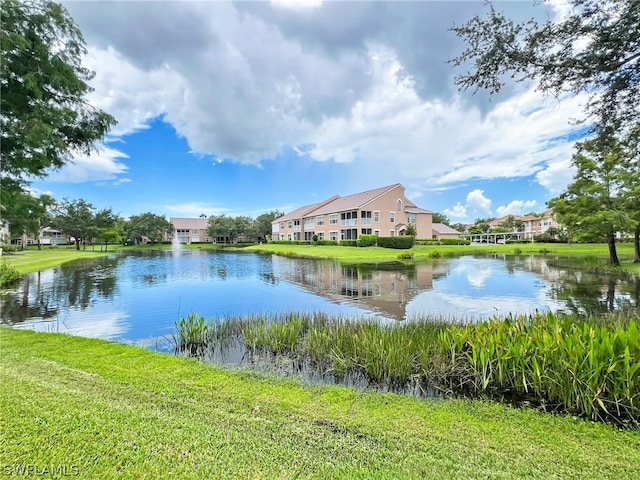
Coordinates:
350 222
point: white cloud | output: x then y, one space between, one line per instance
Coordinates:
477 202
458 211
245 97
297 4
195 209
555 177
104 164
516 207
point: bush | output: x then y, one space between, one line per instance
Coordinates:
326 242
426 241
405 256
8 274
291 242
454 241
349 243
401 242
367 240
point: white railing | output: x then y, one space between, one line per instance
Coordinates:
352 222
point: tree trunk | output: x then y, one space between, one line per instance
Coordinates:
613 253
77 244
636 244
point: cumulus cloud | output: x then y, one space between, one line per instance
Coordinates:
363 83
516 207
458 211
556 176
477 202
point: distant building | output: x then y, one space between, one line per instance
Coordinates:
534 224
190 230
441 231
384 211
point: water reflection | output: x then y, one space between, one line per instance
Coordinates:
137 297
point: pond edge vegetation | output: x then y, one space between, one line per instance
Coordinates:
588 367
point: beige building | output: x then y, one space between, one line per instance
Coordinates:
534 224
190 230
442 231
385 212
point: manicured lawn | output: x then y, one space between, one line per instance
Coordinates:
33 260
117 411
421 252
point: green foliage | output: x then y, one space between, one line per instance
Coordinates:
349 243
400 242
262 225
596 201
149 225
326 242
454 241
440 218
76 218
405 256
190 334
367 240
45 116
411 230
593 49
579 367
8 274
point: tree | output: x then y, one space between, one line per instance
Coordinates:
108 227
221 226
596 202
45 118
28 214
631 146
149 225
76 218
440 218
410 230
263 223
595 50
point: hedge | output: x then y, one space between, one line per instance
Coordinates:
401 242
349 243
367 240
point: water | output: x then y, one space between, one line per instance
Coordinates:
137 297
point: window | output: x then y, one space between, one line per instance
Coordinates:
333 218
282 225
366 231
376 216
412 218
320 220
392 217
376 233
290 224
333 235
399 205
366 217
320 235
392 233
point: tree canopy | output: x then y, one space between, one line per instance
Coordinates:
44 115
597 201
149 225
594 49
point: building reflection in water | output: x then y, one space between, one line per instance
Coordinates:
385 289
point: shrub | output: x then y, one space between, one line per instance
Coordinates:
401 242
8 274
349 243
405 256
326 242
291 242
454 241
434 254
367 240
426 241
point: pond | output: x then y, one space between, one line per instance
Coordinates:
136 297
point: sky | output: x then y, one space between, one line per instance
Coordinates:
247 107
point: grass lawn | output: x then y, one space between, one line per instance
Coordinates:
33 260
108 410
422 252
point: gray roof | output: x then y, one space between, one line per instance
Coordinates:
417 210
355 201
303 211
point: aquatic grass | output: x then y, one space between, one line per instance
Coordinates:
8 274
583 368
190 335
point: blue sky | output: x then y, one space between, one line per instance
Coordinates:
242 108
